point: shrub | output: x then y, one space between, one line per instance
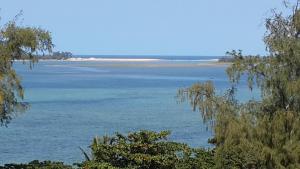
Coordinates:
145 150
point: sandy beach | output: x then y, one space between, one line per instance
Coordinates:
113 59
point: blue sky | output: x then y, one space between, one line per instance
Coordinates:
148 27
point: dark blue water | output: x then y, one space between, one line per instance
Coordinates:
72 102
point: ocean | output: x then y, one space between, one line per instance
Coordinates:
74 101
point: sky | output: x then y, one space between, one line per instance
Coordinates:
147 27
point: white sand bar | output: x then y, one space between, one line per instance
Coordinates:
113 59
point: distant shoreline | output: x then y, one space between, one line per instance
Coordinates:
80 59
142 62
138 59
93 59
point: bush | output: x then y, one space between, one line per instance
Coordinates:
145 150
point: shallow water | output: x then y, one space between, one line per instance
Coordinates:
71 102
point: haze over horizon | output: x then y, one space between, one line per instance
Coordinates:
135 27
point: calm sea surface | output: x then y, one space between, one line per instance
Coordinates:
71 102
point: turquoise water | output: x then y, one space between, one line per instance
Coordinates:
71 102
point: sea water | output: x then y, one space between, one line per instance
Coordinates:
74 101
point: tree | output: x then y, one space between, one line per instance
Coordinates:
17 42
145 150
265 133
60 55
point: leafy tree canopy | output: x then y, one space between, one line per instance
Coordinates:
265 133
145 150
17 42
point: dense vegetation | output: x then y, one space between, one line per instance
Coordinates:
51 56
145 150
265 133
56 56
138 150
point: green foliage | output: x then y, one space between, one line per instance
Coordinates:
145 150
16 43
37 165
97 165
61 55
57 56
265 133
